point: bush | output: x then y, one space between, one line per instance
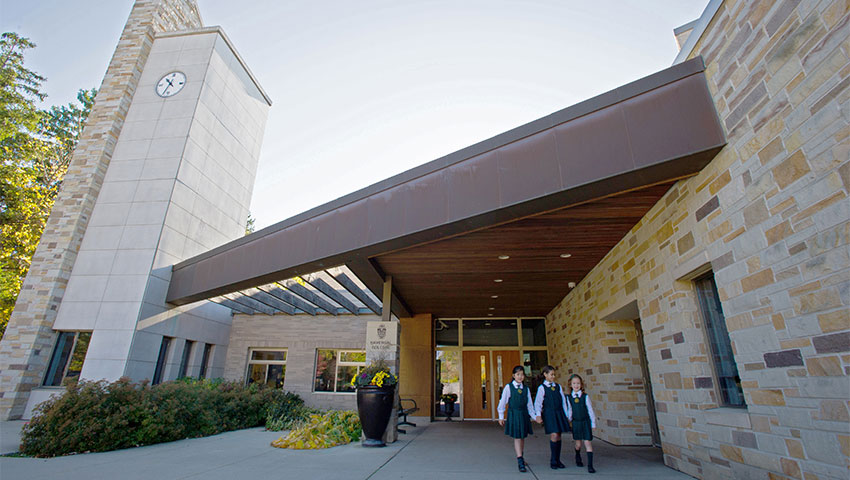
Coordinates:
102 416
288 412
323 431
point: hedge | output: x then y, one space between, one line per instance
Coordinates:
102 416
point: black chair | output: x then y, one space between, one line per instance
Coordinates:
404 412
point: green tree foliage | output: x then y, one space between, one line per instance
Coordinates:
36 147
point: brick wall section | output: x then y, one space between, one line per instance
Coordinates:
301 335
771 217
29 338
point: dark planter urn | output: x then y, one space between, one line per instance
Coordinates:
449 408
374 405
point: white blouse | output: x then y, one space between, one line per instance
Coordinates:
589 409
506 395
538 399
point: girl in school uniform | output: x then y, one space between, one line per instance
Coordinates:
552 407
584 420
517 400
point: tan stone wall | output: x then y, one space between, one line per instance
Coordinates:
28 341
300 335
770 216
416 371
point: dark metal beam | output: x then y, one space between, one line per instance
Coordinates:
249 302
331 293
289 298
305 293
372 276
234 306
272 301
352 287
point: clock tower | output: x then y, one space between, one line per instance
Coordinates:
164 171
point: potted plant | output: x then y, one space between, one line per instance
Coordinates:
449 400
375 397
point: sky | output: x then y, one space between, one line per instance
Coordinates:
363 90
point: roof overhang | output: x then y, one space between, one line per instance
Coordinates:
636 140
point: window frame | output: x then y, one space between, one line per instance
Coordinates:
339 363
161 360
66 365
250 362
205 360
709 323
186 358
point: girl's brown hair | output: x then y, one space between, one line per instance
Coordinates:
575 375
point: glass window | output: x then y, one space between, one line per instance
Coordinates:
267 367
68 357
205 360
485 333
446 333
160 360
728 380
448 381
533 362
336 368
533 332
187 355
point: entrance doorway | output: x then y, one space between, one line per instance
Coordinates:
475 358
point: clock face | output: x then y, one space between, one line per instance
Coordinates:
170 84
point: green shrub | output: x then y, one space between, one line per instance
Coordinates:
288 412
323 431
102 416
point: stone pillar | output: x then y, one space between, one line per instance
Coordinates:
27 344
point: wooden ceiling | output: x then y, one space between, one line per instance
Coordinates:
456 277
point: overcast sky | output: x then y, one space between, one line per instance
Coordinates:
363 90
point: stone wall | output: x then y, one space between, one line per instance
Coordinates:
29 337
301 336
770 217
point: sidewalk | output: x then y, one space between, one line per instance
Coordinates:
456 450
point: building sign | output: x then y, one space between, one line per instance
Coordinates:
381 341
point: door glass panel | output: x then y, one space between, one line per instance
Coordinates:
448 368
484 381
533 362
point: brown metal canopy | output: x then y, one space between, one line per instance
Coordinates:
573 183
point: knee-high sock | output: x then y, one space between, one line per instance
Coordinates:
578 457
589 459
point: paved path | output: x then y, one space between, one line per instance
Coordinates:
448 451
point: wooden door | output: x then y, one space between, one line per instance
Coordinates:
476 389
504 362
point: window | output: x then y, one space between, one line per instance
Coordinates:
205 360
68 356
187 355
267 367
336 368
160 360
726 371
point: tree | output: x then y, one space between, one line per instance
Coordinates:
36 147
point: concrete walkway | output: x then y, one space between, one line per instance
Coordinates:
448 451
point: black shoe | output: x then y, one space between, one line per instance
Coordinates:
590 468
520 464
561 465
578 459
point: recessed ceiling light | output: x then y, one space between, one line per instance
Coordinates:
487 323
489 314
571 284
494 296
504 257
566 255
491 308
498 280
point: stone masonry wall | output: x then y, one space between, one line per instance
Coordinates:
771 218
29 338
300 335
